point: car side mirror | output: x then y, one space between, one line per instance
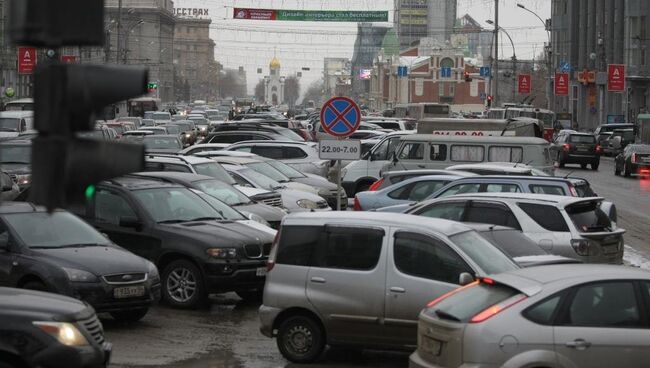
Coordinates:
131 222
465 278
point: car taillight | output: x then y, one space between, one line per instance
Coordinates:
599 149
633 158
580 246
376 185
566 147
446 295
573 191
270 263
357 205
497 308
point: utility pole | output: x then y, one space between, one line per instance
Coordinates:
495 95
119 32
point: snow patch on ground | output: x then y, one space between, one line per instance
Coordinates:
635 258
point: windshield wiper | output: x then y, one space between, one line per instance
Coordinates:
445 315
171 221
207 218
79 245
278 187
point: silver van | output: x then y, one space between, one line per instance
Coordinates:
428 151
360 279
12 123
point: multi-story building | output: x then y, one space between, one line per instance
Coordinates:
415 19
194 63
22 85
589 35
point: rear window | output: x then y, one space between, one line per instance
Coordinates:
584 190
548 217
547 189
483 253
514 243
588 217
582 139
467 303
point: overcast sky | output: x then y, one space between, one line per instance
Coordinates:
252 44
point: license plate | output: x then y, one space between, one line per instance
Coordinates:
261 271
128 292
432 346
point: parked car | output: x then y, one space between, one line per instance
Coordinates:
161 117
9 189
136 121
147 123
499 168
633 160
16 160
121 126
566 226
299 155
270 128
136 134
394 124
12 123
156 130
204 147
37 329
408 191
162 143
293 200
549 316
576 148
393 177
230 137
367 134
334 276
225 193
197 252
188 132
59 253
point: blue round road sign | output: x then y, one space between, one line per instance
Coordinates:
340 117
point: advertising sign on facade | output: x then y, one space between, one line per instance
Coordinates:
311 15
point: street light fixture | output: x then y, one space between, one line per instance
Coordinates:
548 54
514 59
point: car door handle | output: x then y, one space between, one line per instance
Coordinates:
397 289
578 344
421 166
318 280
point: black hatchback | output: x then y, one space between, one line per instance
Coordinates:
60 253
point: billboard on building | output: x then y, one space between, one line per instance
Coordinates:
26 60
616 77
365 73
311 15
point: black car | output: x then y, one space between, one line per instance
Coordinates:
47 330
60 253
197 251
617 142
268 128
576 148
16 160
634 160
225 193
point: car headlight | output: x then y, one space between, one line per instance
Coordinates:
187 135
76 275
154 276
66 333
23 179
222 253
203 129
259 219
308 204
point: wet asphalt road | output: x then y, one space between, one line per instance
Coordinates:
226 335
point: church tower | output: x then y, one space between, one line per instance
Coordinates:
274 84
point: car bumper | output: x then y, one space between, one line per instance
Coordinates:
267 319
415 361
331 201
224 277
100 297
580 159
61 356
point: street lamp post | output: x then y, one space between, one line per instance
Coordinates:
514 59
549 74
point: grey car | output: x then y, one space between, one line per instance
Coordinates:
360 279
566 226
561 316
393 177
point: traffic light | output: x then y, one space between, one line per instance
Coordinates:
489 101
468 78
67 100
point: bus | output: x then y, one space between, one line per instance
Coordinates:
496 113
137 106
517 127
22 104
422 110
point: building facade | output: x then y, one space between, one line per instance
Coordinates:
415 19
589 35
274 84
337 78
194 64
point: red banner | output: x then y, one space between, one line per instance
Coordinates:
26 60
616 77
524 84
561 84
68 59
257 14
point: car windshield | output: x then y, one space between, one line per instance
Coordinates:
222 192
513 243
93 134
161 116
175 205
260 180
582 139
224 210
184 127
16 154
56 230
9 124
148 122
285 169
588 217
161 142
268 170
483 253
173 129
214 170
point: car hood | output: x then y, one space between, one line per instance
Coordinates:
316 181
99 260
251 192
259 227
300 186
544 259
163 150
224 233
21 302
290 197
16 168
268 213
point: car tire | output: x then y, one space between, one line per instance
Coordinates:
35 285
133 315
626 171
594 165
617 171
182 285
559 161
300 339
254 295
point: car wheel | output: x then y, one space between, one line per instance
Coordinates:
35 285
182 284
133 315
300 339
594 165
617 171
559 161
362 187
583 166
254 295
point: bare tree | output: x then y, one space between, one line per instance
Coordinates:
259 92
314 92
231 84
291 90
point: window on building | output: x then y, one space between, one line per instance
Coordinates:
441 89
452 89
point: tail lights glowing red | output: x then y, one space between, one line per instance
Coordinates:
376 185
357 205
497 308
633 158
599 149
444 296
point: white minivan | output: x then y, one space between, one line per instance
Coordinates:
12 123
427 151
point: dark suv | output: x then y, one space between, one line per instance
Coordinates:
270 129
40 329
576 148
197 251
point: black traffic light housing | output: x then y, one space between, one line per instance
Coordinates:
489 100
468 77
66 99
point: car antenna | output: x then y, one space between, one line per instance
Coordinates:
567 175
